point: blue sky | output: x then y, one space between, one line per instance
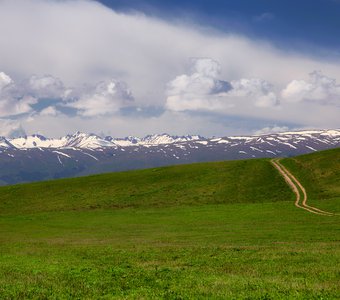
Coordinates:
289 23
181 67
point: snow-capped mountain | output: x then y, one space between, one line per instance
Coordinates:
5 143
77 140
36 157
85 141
162 139
35 141
80 140
92 141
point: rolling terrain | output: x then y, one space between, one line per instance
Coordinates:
299 190
209 230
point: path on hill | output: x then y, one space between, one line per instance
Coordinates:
295 185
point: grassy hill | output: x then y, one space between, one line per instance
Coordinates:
319 173
212 230
205 183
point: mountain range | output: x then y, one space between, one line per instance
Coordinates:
35 157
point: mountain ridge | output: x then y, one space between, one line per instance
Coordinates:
93 141
35 157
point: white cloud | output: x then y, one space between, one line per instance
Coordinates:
257 90
121 126
94 43
202 90
45 86
206 67
5 80
49 111
13 107
268 130
318 88
11 103
107 98
10 128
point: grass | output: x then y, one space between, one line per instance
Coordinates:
184 232
319 173
195 184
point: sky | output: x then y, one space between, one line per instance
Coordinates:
212 68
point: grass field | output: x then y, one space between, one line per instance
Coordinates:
225 230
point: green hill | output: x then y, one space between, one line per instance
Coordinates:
319 173
205 183
226 230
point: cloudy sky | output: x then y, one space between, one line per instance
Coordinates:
207 67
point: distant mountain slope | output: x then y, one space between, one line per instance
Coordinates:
36 157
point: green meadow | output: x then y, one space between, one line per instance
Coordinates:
225 230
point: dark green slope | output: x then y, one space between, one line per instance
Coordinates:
246 181
319 173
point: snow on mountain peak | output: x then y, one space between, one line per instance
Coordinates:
332 133
159 139
35 141
4 143
92 141
84 140
312 132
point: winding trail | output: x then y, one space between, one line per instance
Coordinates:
298 189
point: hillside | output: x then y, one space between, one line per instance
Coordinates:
319 173
210 230
205 183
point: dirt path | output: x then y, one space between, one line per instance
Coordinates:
295 185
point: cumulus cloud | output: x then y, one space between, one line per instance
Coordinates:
318 88
5 80
45 86
202 90
257 90
10 107
107 98
11 128
94 43
34 95
11 102
13 107
199 90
